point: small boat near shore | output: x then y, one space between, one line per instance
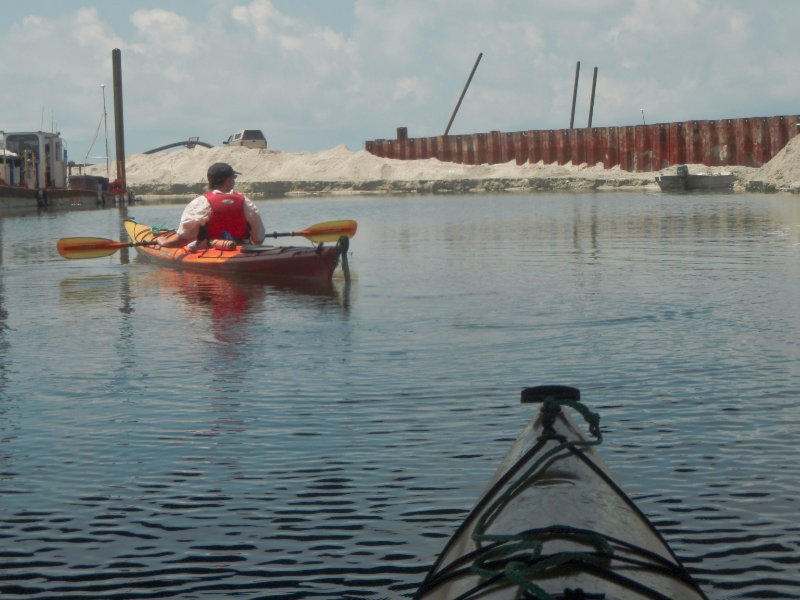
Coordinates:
553 523
683 181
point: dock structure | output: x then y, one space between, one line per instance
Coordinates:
749 142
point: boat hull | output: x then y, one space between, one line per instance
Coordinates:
555 501
19 197
267 262
698 183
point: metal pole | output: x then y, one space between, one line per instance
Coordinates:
455 110
574 95
591 101
105 127
118 122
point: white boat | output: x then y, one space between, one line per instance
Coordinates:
553 523
34 172
32 159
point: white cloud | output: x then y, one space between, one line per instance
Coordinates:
88 30
164 30
264 19
410 88
34 22
739 23
313 74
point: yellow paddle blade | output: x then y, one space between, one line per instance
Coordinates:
88 247
329 231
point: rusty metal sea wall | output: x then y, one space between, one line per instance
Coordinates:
749 142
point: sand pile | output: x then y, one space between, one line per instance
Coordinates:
782 173
341 170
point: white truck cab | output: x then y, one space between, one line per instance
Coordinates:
249 138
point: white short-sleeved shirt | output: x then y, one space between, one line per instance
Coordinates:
198 212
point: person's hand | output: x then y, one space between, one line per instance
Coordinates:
169 240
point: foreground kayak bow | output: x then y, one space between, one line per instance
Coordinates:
554 524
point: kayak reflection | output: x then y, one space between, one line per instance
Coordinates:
230 302
226 302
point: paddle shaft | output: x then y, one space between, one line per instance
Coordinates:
277 234
92 247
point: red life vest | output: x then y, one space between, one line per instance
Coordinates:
227 216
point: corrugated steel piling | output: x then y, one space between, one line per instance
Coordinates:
748 142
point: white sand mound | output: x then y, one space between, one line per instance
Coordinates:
185 168
188 166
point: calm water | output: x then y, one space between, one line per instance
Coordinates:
169 435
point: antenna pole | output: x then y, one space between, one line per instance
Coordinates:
105 128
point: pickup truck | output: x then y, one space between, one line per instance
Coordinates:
250 138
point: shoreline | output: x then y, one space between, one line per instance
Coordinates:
387 187
383 187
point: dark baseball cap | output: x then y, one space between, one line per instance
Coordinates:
221 171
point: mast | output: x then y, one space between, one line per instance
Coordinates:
105 128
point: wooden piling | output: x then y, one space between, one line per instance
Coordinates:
119 128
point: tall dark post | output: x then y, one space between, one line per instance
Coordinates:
574 95
458 104
591 101
118 123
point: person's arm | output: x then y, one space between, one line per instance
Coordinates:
257 230
195 215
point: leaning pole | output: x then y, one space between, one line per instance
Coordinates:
119 128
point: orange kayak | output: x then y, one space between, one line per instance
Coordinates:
279 262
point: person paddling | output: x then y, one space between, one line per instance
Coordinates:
219 217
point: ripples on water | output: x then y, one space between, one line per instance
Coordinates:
164 434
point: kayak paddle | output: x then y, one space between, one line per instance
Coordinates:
94 247
329 231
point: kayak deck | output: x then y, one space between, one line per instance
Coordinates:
281 262
553 521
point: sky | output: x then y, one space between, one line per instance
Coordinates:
314 74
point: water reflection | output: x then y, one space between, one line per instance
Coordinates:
228 303
3 327
100 290
224 303
225 323
31 210
8 430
